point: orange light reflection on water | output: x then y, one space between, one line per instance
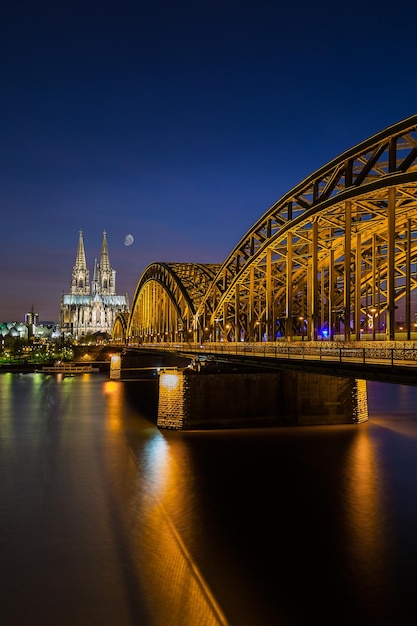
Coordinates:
112 389
151 499
365 514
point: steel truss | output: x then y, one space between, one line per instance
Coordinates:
335 257
166 300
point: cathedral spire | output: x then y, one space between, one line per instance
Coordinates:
80 262
80 281
104 258
106 276
91 308
95 281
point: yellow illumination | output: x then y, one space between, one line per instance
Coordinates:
110 387
113 391
169 381
115 360
115 366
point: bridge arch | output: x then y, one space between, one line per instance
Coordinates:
334 258
336 254
166 300
119 330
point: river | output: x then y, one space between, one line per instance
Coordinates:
107 520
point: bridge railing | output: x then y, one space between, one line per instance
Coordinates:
399 354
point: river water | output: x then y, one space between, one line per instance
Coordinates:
108 521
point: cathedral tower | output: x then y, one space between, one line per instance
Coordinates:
106 275
80 283
91 309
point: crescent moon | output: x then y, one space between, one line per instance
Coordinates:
128 240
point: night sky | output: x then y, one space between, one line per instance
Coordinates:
179 123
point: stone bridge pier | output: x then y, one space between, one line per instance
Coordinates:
202 400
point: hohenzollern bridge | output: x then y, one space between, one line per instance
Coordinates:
334 259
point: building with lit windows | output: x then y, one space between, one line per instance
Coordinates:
32 318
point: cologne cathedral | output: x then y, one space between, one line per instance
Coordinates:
90 307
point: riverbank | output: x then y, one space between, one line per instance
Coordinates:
27 368
18 368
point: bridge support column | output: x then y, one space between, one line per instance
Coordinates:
391 265
190 400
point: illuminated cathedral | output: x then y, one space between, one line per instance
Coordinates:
91 307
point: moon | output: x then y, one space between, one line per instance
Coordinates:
129 240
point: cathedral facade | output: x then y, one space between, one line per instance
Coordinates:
91 307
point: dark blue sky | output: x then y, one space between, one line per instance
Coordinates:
178 122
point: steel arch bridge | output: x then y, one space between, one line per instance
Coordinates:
334 258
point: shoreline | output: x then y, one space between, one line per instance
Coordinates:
29 368
18 368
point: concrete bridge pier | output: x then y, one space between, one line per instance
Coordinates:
201 400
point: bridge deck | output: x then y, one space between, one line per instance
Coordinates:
395 363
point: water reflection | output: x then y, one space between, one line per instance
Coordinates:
86 533
174 590
108 520
367 526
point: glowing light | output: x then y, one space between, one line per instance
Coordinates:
115 366
169 381
129 240
110 387
113 391
115 360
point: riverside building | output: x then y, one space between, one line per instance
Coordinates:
90 307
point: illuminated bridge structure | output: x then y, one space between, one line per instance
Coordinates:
335 258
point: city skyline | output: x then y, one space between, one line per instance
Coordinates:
179 125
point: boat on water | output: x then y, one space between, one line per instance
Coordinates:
66 368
